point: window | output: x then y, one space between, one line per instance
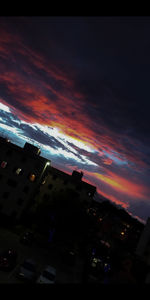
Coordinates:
18 171
11 182
50 186
26 189
5 195
20 201
3 164
32 177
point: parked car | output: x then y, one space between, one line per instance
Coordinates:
48 275
8 259
69 255
28 270
27 238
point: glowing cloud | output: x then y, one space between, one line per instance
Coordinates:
4 107
122 185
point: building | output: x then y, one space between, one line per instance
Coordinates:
58 182
144 240
143 248
21 171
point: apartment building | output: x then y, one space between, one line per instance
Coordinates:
21 171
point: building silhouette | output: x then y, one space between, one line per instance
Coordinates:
58 183
27 178
144 241
21 170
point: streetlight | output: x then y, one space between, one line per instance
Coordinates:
47 164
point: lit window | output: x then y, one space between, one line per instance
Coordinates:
32 177
18 171
3 164
122 233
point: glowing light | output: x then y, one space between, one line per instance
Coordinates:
32 177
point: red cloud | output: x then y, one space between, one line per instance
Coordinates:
67 112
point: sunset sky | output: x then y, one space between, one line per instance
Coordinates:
79 88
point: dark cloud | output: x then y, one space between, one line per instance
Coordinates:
88 76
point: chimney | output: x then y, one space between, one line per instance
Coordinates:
77 175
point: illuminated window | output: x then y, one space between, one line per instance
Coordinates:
122 233
32 177
3 164
18 171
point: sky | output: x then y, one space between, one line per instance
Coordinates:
78 87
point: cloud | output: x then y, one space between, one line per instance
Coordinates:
67 102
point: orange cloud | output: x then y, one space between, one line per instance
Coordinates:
113 199
67 112
107 161
122 185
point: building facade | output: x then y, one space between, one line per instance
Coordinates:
58 183
21 170
144 241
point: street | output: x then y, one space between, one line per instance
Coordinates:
43 257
